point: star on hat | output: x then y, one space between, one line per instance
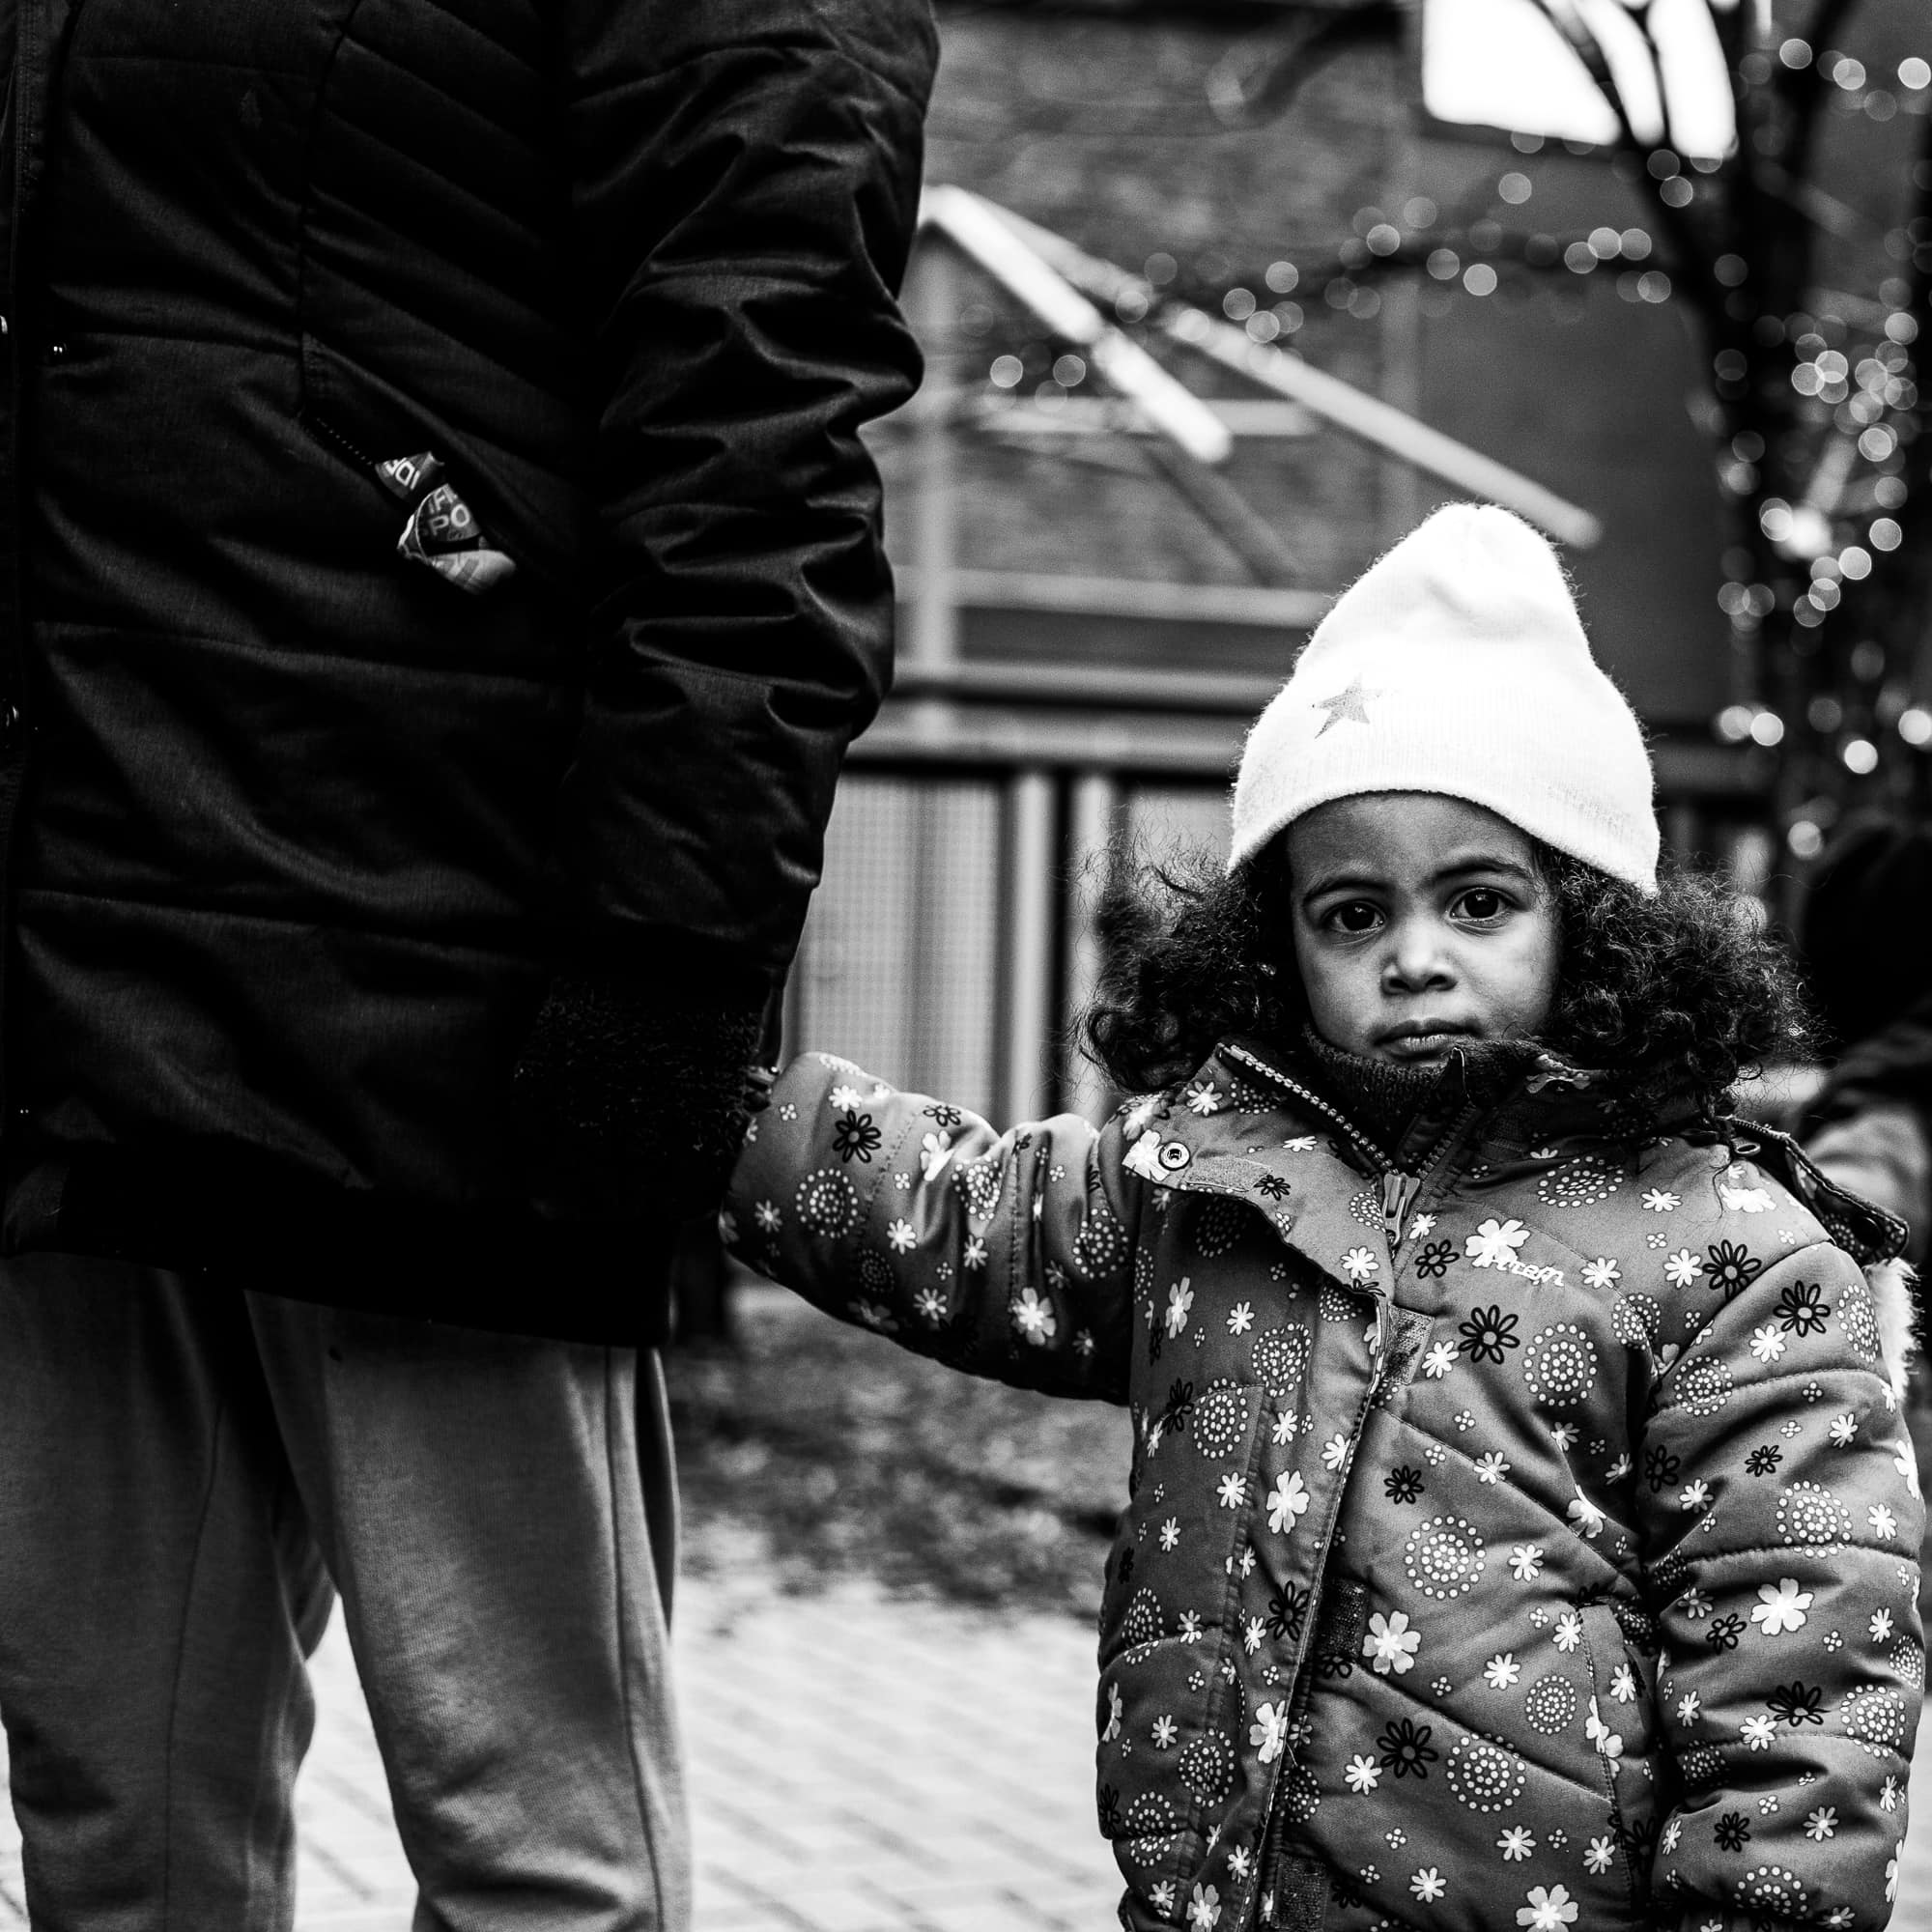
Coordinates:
1349 706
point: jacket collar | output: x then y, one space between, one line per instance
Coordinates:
1250 1125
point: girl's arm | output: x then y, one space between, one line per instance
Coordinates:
1007 1255
1781 1541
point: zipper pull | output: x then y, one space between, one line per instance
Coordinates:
1397 1191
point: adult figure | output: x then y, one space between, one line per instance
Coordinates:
1865 936
1864 930
442 575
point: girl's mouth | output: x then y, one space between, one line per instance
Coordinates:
1422 1039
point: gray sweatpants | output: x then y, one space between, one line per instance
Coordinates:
189 1474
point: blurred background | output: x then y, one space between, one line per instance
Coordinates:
1220 299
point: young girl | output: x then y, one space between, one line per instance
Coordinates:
1522 1530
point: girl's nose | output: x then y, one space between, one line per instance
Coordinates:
1417 962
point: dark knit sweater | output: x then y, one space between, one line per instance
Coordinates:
1402 1106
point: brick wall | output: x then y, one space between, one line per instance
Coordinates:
1103 131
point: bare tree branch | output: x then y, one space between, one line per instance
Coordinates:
1803 87
1247 86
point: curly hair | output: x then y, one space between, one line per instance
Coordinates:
1681 992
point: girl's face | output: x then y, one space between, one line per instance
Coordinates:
1420 922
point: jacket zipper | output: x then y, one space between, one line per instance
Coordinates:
1446 1149
1273 1839
1399 1190
1378 1159
331 434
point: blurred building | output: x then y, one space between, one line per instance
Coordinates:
1090 615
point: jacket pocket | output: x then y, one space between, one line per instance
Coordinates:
1171 1722
1179 1531
532 518
1617 1728
1297 1885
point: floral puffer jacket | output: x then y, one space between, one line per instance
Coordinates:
1528 1540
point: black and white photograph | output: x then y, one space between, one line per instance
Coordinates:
965 965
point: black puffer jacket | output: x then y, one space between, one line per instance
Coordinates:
296 826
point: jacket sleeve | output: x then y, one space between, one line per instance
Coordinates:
1009 1255
745 188
1782 1528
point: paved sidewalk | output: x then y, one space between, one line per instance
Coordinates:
846 1768
859 1764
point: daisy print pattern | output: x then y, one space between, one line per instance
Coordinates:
1494 1243
1179 1299
1390 1644
1781 1607
1287 1502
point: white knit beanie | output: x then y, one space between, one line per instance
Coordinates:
1457 664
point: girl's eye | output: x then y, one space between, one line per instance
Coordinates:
1356 916
1484 903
